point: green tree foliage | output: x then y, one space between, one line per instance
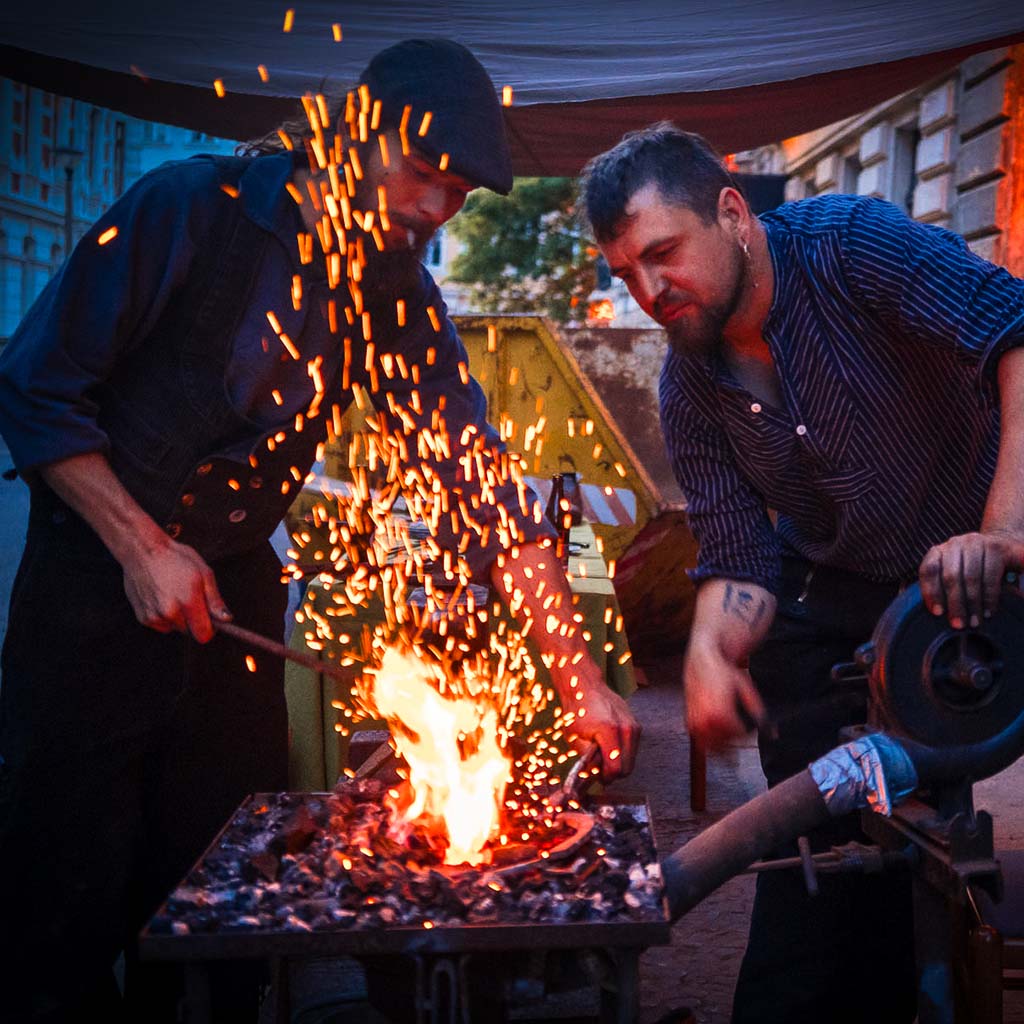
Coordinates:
525 252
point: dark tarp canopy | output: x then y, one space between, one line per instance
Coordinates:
583 72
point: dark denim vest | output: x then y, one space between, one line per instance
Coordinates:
174 436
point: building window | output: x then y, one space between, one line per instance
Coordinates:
94 130
904 175
27 273
19 112
44 192
16 183
16 145
46 123
848 175
28 125
47 157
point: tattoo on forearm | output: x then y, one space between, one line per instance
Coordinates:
743 605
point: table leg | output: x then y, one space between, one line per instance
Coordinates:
197 993
698 776
281 984
623 1005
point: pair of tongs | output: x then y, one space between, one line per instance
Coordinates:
569 790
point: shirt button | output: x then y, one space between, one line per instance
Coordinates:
205 468
188 500
756 407
801 430
237 515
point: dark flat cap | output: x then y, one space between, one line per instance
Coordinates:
443 78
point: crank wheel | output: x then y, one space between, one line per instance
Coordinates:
946 687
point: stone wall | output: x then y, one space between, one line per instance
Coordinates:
985 129
950 153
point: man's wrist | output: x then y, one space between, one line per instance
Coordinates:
136 540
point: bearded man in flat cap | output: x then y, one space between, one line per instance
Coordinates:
162 427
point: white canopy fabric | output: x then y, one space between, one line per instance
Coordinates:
742 72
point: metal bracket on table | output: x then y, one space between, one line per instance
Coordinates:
952 853
850 858
442 990
955 853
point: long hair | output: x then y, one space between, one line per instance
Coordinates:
296 133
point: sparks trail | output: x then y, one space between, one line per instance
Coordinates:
404 521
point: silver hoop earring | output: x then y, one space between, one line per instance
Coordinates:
750 263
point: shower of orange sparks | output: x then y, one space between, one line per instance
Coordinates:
370 570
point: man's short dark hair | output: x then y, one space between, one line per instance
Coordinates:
682 164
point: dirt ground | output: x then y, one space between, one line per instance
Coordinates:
699 969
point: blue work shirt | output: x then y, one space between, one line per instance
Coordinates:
884 333
106 300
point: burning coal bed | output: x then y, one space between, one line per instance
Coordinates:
325 862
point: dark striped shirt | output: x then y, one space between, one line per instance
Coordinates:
885 334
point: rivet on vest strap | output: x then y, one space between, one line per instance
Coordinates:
237 515
205 468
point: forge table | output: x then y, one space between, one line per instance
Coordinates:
442 953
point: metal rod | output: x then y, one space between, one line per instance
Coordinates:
247 636
570 788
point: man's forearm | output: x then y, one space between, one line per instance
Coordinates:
537 592
168 585
730 621
1004 509
88 484
731 618
531 581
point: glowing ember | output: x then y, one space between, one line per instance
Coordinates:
457 767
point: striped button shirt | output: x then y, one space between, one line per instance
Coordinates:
885 334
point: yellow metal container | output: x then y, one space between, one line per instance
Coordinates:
545 409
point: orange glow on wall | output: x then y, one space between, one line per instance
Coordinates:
602 310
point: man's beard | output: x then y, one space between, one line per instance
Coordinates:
703 336
393 273
389 276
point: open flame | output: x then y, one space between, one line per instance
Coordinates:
458 769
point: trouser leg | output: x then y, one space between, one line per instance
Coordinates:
76 714
845 955
227 737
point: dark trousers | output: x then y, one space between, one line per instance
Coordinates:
124 752
845 956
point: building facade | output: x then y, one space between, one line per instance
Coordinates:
39 134
949 153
